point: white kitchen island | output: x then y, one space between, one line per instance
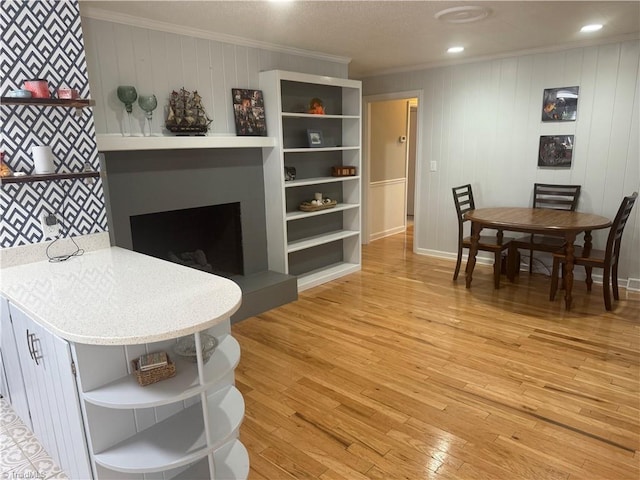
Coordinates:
69 333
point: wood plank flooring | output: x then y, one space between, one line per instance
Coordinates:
396 372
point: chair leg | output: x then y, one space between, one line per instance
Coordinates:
497 257
458 262
531 261
554 279
589 280
606 291
614 280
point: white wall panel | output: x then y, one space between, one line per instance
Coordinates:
481 124
386 208
159 62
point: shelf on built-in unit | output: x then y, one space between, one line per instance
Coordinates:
114 143
297 214
316 240
317 180
50 102
180 439
326 274
49 177
319 149
126 393
311 115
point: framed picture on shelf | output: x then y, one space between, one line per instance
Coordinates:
555 151
248 111
315 138
560 104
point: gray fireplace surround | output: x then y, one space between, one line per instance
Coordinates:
149 181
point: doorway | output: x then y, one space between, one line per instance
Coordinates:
391 164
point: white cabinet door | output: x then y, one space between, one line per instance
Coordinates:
13 372
53 398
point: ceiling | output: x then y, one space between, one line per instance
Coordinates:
384 36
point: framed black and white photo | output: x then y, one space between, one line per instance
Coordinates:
315 138
555 151
248 111
560 104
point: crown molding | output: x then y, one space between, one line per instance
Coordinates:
515 53
107 16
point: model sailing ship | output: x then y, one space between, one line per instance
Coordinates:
186 113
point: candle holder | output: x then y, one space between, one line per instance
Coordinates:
148 104
127 94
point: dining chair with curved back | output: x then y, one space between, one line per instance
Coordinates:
606 259
546 195
463 199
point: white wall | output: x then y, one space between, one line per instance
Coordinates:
158 62
481 124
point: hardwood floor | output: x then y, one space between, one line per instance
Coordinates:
396 372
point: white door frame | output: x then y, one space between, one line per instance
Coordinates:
366 176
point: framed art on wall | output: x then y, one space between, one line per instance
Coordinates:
560 104
248 111
555 151
315 138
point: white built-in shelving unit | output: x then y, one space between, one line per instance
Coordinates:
322 245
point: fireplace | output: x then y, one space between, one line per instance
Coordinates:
206 238
156 198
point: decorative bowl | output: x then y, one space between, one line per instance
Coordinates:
186 347
19 94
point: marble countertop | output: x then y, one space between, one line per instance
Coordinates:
114 296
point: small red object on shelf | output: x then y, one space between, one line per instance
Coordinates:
68 93
39 88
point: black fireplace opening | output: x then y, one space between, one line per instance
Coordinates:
206 238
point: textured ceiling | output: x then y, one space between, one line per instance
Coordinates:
390 35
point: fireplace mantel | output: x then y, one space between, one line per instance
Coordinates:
118 143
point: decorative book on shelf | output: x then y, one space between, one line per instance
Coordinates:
341 171
152 360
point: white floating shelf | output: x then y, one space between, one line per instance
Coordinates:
116 143
313 115
319 149
127 393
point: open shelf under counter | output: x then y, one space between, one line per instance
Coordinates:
318 180
316 240
180 439
231 463
116 143
127 393
298 214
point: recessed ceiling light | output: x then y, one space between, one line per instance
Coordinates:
455 50
591 28
466 14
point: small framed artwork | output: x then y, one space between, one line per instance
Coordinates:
555 151
248 110
560 104
315 138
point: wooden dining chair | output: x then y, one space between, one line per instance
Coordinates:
463 198
606 259
545 195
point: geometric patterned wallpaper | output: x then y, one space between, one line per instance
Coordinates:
43 39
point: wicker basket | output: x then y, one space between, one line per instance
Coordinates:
307 207
155 374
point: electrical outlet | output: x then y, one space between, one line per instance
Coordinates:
50 225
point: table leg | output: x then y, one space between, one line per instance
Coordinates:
473 251
568 279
